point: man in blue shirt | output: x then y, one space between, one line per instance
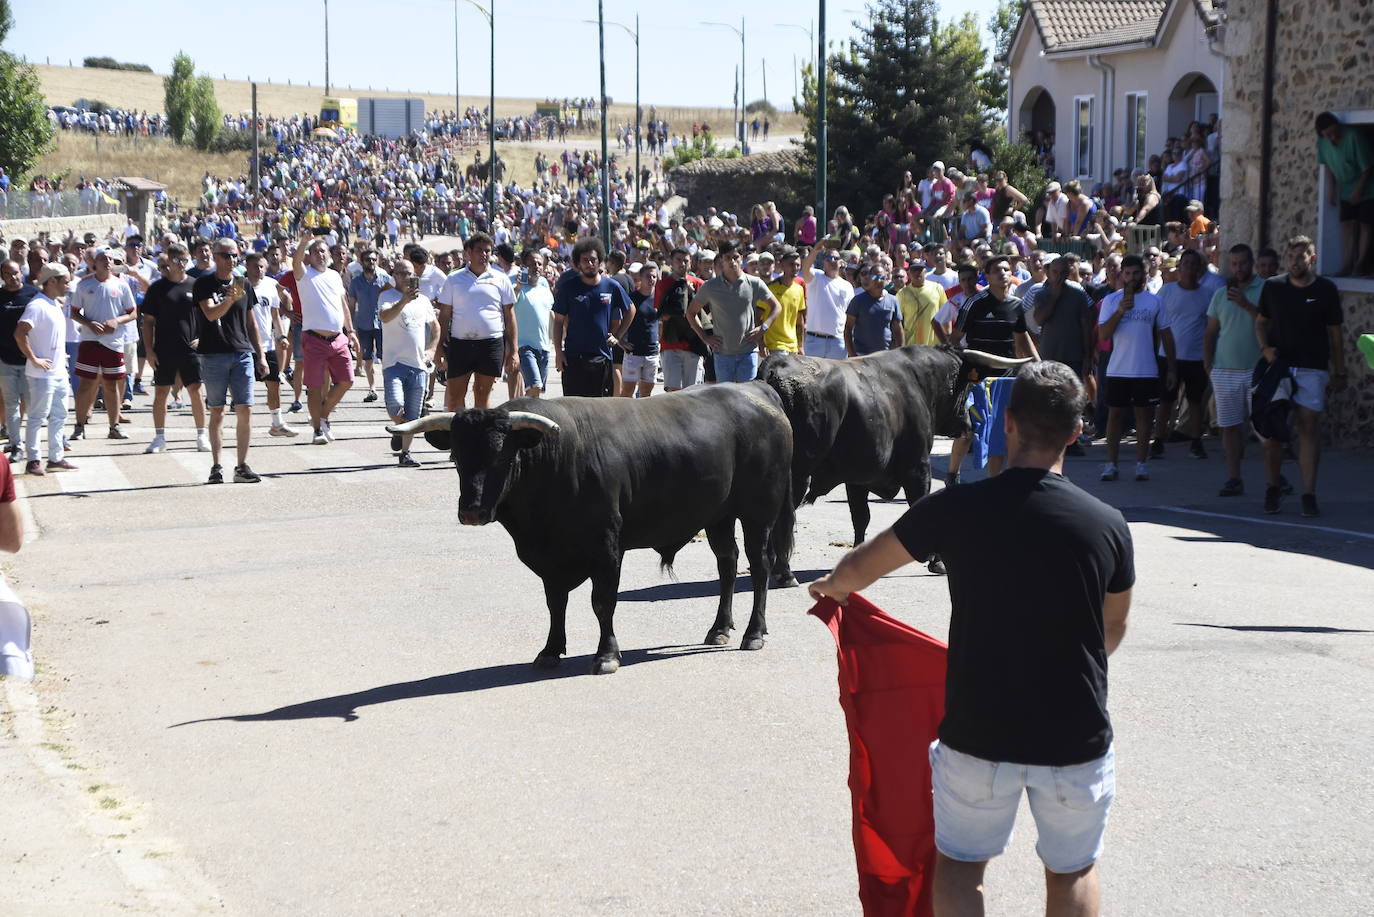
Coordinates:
873 320
363 291
590 313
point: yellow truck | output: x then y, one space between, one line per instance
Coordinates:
339 113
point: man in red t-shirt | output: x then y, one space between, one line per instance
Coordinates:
672 295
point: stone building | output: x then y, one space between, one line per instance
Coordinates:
736 185
1286 62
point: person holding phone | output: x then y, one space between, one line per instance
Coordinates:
410 334
1136 322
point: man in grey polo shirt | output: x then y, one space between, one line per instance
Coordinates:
733 297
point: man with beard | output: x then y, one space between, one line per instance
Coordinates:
590 314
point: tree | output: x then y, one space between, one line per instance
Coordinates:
905 93
205 111
25 131
178 93
1003 27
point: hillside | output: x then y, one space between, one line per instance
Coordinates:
143 92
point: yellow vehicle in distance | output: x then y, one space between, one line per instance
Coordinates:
339 112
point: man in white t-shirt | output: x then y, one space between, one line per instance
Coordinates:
102 305
938 269
326 360
827 299
41 335
267 316
1185 301
477 313
1135 321
410 334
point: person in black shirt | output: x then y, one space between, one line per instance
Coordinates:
993 321
171 323
231 355
1299 323
641 338
1026 681
15 295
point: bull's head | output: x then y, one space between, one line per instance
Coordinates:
484 445
972 366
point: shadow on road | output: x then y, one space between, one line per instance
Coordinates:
1347 540
705 588
1276 629
345 706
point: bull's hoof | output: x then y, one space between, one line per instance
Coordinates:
784 581
717 637
751 643
936 566
605 666
547 661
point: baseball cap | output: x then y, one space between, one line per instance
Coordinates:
762 256
938 164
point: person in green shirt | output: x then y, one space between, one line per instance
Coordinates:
1229 354
1350 163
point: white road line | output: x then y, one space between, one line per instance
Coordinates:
94 474
1291 525
196 464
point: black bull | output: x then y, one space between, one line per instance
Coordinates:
579 481
869 423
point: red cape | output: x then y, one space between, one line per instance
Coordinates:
892 690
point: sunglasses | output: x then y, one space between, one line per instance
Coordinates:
226 254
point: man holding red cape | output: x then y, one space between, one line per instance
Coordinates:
1040 577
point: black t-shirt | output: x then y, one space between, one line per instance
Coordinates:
641 339
1298 319
988 323
228 333
1027 674
178 316
12 306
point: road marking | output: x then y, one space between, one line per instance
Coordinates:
1291 525
196 464
96 473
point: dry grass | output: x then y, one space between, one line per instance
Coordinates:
179 168
143 92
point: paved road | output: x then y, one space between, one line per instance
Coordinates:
313 695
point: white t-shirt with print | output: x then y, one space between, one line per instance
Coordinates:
1133 343
477 302
403 338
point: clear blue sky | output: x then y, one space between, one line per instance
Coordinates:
542 47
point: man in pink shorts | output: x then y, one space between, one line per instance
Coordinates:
328 331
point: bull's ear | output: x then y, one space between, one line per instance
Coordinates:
440 439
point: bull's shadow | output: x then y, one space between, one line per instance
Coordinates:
704 589
345 706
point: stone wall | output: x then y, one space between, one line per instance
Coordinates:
736 185
1324 60
57 227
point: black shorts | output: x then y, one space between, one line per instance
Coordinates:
617 356
588 377
1126 393
186 365
1192 378
1363 212
273 368
483 357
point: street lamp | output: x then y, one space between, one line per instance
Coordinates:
810 40
822 165
605 153
491 113
743 142
326 47
633 33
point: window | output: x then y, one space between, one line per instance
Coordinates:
1083 149
1136 155
1331 246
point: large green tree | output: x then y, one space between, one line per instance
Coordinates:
906 92
205 111
1003 27
178 96
25 131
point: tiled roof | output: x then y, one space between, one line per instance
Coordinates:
778 161
1071 25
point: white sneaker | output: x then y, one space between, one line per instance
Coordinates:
1109 472
202 442
284 430
326 432
1142 471
158 444
319 439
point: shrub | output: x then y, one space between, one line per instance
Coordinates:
109 63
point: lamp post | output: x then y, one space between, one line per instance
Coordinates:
743 142
633 33
491 113
605 153
810 40
821 127
457 96
326 47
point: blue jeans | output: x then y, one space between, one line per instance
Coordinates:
13 387
827 348
47 401
405 390
227 374
534 368
737 367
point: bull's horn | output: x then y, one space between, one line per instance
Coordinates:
527 420
424 424
993 361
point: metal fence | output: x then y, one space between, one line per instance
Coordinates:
23 204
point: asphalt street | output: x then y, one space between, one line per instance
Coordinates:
314 695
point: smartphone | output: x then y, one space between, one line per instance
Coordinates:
319 231
413 285
525 275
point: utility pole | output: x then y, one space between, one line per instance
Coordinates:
257 166
821 127
326 47
605 164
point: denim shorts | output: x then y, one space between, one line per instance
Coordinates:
826 348
1311 388
680 368
405 390
736 367
976 802
369 344
227 373
534 368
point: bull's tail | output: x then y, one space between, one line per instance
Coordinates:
781 540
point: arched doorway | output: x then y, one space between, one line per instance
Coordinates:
1194 98
1035 122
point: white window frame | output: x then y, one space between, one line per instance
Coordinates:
1136 147
1083 159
